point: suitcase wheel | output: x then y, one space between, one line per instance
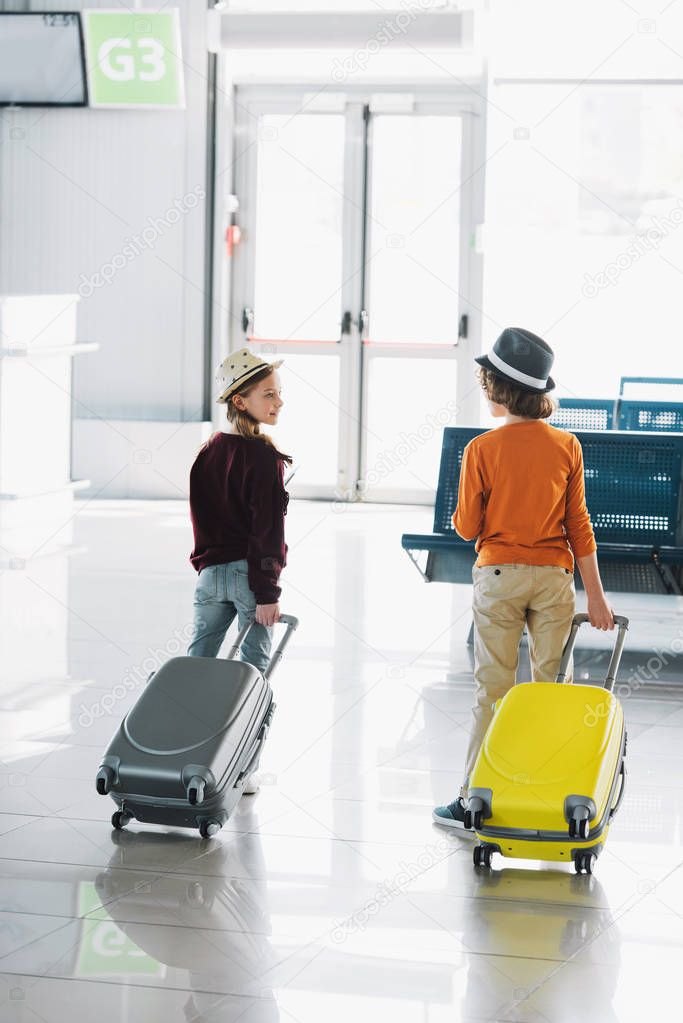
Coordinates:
579 829
473 820
209 828
474 814
119 819
195 790
584 861
482 855
105 780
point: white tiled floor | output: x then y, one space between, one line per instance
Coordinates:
330 895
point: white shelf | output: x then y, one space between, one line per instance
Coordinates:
23 351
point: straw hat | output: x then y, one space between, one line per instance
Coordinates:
237 368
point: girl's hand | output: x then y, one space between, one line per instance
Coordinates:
600 613
267 614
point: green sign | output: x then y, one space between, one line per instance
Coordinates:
103 948
133 58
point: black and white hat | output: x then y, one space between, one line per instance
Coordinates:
522 358
236 369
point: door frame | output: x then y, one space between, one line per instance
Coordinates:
248 100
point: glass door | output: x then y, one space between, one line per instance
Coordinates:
355 266
415 276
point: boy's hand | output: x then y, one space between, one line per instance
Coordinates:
267 614
600 613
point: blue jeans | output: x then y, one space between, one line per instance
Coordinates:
222 592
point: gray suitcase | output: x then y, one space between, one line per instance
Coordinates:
182 753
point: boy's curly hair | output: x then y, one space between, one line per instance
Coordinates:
517 401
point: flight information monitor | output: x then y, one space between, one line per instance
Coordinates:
42 60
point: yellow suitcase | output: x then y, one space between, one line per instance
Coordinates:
551 772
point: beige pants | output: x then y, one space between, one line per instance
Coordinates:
506 597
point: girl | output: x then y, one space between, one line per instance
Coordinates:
237 504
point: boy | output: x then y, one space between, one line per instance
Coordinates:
521 495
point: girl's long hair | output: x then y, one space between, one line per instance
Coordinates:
243 423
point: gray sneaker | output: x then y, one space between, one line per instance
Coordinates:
252 784
453 816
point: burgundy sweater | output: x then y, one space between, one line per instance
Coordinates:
237 504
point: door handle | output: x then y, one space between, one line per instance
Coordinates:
348 322
463 326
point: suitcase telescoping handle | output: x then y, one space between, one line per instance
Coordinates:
290 621
578 620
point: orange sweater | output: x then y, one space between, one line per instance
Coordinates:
521 494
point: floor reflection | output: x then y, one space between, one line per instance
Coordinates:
516 912
175 921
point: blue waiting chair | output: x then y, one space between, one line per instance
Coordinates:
633 492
